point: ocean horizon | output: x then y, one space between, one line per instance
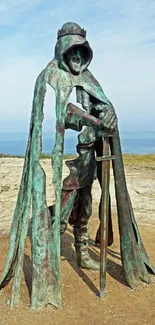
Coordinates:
133 142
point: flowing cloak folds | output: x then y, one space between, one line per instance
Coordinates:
46 275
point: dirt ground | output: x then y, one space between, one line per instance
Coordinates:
80 290
81 302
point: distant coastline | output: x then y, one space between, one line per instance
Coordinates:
14 144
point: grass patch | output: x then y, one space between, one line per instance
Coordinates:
147 160
3 155
65 157
42 156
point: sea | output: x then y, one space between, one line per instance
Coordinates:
14 144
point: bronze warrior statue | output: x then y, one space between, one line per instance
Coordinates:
67 70
75 58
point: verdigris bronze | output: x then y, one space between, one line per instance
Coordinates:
67 70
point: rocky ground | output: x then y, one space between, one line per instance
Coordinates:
80 288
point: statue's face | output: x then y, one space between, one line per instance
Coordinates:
74 60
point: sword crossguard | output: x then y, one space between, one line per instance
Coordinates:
105 158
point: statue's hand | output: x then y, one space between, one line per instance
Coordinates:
108 118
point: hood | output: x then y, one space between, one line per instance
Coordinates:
67 42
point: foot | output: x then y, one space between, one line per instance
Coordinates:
90 264
86 262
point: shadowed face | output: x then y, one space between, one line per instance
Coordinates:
75 59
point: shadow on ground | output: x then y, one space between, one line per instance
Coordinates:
68 253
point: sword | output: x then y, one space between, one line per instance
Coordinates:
104 211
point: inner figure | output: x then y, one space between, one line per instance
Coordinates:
84 169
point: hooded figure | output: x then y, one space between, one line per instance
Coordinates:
68 69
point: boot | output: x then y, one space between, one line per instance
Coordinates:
81 246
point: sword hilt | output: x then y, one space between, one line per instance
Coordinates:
106 154
105 146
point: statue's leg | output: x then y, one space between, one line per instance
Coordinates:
99 149
79 220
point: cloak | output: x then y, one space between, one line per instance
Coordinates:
46 274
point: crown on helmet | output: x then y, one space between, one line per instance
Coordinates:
71 29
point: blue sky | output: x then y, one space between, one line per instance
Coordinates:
122 35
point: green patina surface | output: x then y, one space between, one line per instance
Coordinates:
46 274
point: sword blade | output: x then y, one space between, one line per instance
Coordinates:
104 216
